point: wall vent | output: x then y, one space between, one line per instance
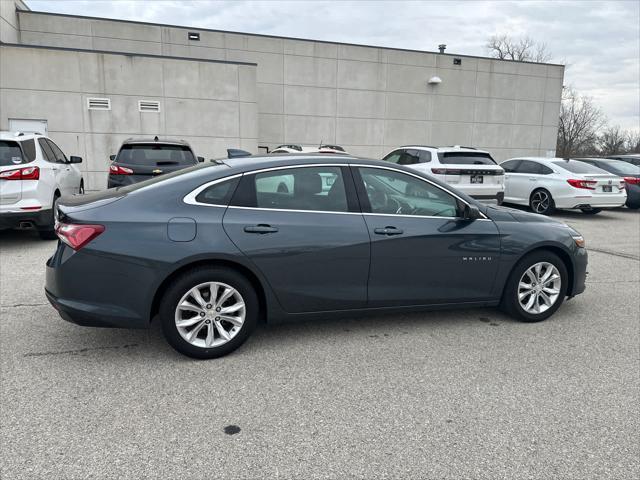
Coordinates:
148 106
194 36
99 103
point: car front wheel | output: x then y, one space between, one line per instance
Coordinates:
536 287
208 312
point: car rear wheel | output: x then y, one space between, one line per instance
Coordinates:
542 202
208 312
591 211
536 287
48 231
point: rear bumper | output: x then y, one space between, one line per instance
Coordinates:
592 201
19 219
123 180
77 284
497 198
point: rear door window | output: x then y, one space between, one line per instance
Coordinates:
154 154
511 166
465 158
46 150
410 157
532 168
394 157
10 153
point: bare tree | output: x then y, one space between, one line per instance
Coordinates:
580 121
632 142
612 140
523 49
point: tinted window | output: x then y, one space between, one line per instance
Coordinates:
219 193
308 188
46 150
410 157
393 157
577 167
424 156
29 149
511 166
10 153
154 154
392 192
616 166
57 153
466 158
527 166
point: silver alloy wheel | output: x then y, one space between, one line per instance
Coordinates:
540 201
210 314
539 288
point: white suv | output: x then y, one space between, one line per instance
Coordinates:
33 174
467 169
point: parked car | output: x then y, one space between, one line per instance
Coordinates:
141 158
546 184
469 170
633 158
34 173
630 174
222 248
292 148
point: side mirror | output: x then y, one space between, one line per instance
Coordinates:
201 159
471 212
112 157
74 159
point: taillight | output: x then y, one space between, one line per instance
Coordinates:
118 170
446 171
26 173
586 184
632 180
77 236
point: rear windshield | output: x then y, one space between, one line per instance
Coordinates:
577 167
10 153
153 154
465 158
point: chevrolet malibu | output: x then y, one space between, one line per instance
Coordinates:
213 249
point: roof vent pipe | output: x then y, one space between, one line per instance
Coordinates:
442 47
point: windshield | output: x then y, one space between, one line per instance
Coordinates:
575 166
154 154
465 158
10 153
620 167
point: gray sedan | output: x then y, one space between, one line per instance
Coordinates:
214 249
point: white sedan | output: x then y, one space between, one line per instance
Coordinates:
545 184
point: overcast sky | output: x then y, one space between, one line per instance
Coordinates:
598 41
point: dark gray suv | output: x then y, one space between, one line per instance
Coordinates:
212 249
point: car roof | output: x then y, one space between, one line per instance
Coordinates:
452 148
256 162
158 140
19 136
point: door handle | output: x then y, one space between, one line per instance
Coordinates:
260 229
532 179
388 231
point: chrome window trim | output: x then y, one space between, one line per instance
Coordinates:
190 198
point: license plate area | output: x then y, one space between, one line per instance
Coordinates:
476 179
607 188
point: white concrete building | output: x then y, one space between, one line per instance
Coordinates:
220 89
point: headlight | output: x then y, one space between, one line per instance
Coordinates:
579 239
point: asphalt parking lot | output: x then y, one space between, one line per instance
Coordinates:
457 394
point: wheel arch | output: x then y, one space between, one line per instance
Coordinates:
561 252
241 269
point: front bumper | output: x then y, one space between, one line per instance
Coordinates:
580 262
20 219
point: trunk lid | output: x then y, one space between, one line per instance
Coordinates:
605 183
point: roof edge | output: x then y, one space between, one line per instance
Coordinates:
87 17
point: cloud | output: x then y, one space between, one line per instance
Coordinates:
598 40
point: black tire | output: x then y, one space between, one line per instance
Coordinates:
510 303
181 285
537 204
591 211
48 231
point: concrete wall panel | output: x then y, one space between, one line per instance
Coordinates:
309 101
408 106
452 133
362 75
404 132
358 131
453 109
270 98
309 130
318 72
361 103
